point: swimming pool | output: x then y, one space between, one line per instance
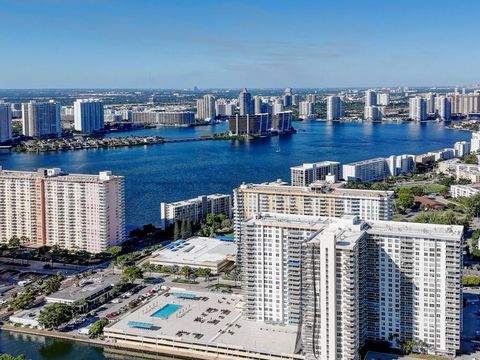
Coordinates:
166 311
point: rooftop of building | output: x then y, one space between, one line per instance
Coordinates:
56 174
418 230
195 251
367 161
198 199
468 186
205 318
306 166
85 288
319 187
346 231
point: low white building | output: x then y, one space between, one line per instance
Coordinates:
305 174
464 190
197 252
365 170
194 210
462 148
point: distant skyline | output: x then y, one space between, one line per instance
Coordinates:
233 44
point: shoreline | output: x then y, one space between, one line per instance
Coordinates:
116 349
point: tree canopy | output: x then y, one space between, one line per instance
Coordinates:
54 315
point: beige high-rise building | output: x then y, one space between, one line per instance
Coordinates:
71 211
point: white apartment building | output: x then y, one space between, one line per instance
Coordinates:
5 122
41 119
370 98
164 118
383 99
444 107
224 107
206 108
195 210
305 110
461 148
465 104
350 281
475 143
374 113
400 164
365 170
335 108
88 115
305 174
418 109
464 190
71 211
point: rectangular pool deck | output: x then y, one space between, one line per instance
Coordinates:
206 325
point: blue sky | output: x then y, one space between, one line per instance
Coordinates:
224 43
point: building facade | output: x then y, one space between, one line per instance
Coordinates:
335 108
41 119
195 210
164 118
348 281
365 170
5 122
88 115
306 174
259 124
71 211
418 109
206 109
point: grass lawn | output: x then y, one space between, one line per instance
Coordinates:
428 188
428 357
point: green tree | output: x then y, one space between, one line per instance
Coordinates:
114 251
14 242
204 272
23 301
97 327
176 231
132 273
54 315
11 357
186 271
470 159
53 284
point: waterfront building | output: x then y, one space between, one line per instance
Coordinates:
257 105
431 99
443 154
195 210
418 109
89 290
335 109
245 103
373 113
5 122
282 121
444 108
370 98
308 173
381 281
295 100
41 119
365 170
383 99
164 118
348 281
461 148
287 97
88 115
197 252
400 164
457 191
424 159
475 143
259 124
311 98
71 211
305 110
277 107
465 104
206 108
224 108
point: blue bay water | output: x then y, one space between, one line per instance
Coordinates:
175 171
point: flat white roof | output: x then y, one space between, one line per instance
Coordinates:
196 252
311 165
216 316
